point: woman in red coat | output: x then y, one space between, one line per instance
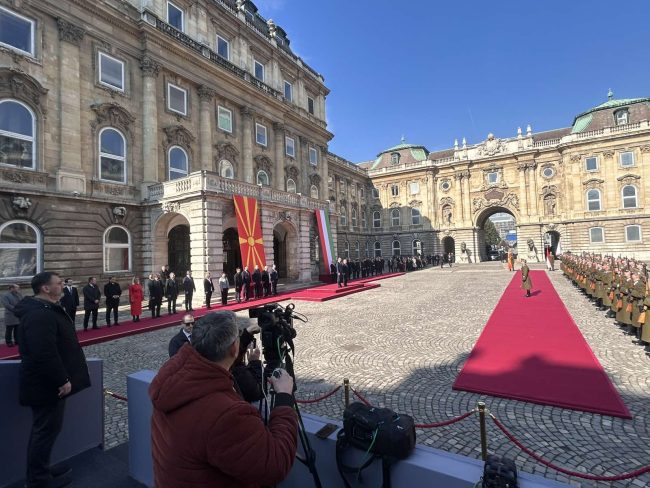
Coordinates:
135 297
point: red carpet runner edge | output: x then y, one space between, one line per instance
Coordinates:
532 350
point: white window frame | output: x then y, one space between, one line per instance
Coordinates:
376 219
375 193
22 137
587 164
225 111
600 197
257 63
313 192
618 114
291 153
397 248
313 156
620 159
260 129
640 239
417 187
602 235
104 83
346 250
169 98
224 164
289 85
394 190
394 158
357 250
415 213
169 164
291 186
353 217
257 178
364 220
635 196
377 249
395 215
18 245
112 156
31 53
496 177
106 246
182 29
227 42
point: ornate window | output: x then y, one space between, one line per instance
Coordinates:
626 159
417 247
16 31
176 99
262 178
223 47
310 105
224 119
492 177
415 188
117 249
548 172
291 186
357 250
394 158
112 155
354 217
288 91
346 252
445 185
313 192
596 235
313 156
621 117
394 190
290 147
593 200
376 219
395 219
342 185
175 16
21 248
178 163
364 219
415 216
260 134
362 192
591 164
17 135
344 217
111 72
628 194
397 248
258 70
377 249
226 169
633 233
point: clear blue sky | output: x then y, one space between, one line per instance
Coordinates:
437 70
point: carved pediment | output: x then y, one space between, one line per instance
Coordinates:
112 114
593 183
492 146
226 150
415 203
292 172
510 200
17 84
315 179
394 205
628 178
264 163
178 135
494 194
549 190
447 201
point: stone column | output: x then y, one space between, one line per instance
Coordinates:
247 145
458 209
206 95
523 193
206 238
467 201
150 162
323 192
532 188
278 133
69 176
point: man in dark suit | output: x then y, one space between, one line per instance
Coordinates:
346 269
189 288
184 335
112 292
91 295
246 278
333 272
266 281
239 284
274 280
164 273
156 292
70 299
171 291
208 287
257 282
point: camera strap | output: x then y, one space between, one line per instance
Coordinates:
341 445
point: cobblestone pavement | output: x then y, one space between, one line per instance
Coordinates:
402 346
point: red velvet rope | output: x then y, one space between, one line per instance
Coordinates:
358 395
319 399
538 458
115 395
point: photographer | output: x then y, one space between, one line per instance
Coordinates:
248 374
203 433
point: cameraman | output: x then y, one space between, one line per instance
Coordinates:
203 434
248 377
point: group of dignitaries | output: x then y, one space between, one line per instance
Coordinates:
616 285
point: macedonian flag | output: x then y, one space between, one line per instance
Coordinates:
250 232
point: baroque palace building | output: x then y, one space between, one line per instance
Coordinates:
126 127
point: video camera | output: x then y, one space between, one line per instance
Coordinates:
277 335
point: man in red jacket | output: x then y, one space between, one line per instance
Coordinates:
202 433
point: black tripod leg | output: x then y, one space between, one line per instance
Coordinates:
310 454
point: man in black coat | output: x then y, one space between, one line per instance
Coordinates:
70 299
208 287
333 272
274 280
171 290
340 275
189 288
246 279
53 366
239 284
184 335
112 292
257 282
91 295
266 281
156 292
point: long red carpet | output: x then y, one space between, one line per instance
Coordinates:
532 350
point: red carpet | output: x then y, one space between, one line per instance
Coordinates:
532 350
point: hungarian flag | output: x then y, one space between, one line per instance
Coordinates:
325 233
250 232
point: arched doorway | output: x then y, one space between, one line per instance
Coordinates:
551 240
495 226
171 244
285 250
178 249
448 245
231 252
417 247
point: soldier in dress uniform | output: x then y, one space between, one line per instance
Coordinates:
526 282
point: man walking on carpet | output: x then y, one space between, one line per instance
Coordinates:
526 282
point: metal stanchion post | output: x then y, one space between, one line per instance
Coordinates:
346 387
481 418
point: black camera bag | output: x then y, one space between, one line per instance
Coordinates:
380 432
499 472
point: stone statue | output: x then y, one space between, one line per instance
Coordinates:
465 255
549 205
446 214
532 251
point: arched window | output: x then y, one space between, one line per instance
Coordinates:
262 178
357 250
291 186
17 135
354 217
415 216
377 249
20 249
226 169
593 200
394 217
117 249
376 219
112 155
397 248
346 253
629 196
178 164
417 247
367 249
313 192
364 220
344 217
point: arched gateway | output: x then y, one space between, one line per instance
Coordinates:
285 250
504 222
171 244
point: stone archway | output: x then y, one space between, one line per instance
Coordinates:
448 245
285 250
231 252
505 223
179 247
